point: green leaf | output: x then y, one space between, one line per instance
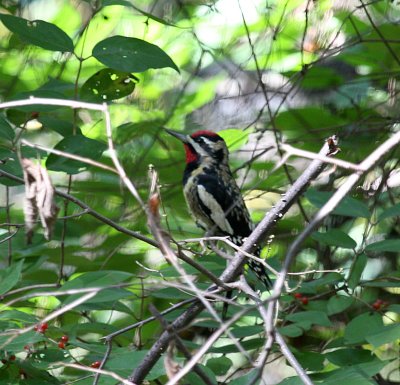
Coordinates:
17 315
234 138
313 317
193 378
335 237
123 360
97 279
247 331
17 344
39 33
291 330
320 283
108 84
106 296
390 245
362 326
10 276
320 78
394 308
356 271
79 145
6 131
247 379
347 357
219 365
388 334
301 122
393 211
339 303
310 360
354 375
129 54
250 344
348 207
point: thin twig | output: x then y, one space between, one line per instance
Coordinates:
99 371
312 155
69 156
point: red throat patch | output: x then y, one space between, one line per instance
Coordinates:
191 155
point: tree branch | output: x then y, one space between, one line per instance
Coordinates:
234 268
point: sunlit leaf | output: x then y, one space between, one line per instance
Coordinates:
37 32
129 54
108 84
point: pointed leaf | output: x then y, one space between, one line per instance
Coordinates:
39 33
6 131
10 276
390 245
129 54
339 303
313 317
387 334
356 271
108 84
393 211
79 145
335 237
362 326
348 207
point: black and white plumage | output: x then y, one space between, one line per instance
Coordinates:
212 194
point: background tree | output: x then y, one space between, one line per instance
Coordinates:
126 274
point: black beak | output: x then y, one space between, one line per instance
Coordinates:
182 137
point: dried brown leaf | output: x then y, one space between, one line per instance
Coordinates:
171 366
39 199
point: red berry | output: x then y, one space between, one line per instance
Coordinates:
95 364
298 295
64 338
42 327
27 347
61 345
3 361
304 300
12 357
376 305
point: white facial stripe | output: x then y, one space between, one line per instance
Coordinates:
209 142
199 150
217 214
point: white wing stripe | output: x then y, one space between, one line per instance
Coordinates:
217 214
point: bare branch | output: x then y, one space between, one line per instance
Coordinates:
260 232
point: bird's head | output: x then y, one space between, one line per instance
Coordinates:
203 145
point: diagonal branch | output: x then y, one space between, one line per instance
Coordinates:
234 268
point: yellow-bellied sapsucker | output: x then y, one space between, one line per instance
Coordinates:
211 192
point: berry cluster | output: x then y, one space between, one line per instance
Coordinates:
302 298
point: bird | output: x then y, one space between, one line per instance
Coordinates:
212 195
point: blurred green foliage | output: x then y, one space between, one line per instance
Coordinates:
262 73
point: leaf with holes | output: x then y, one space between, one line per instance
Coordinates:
108 84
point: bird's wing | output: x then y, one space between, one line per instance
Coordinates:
224 205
